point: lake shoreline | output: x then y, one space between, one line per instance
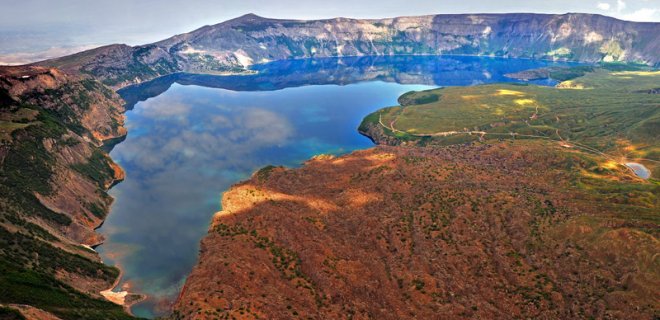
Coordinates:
121 296
362 84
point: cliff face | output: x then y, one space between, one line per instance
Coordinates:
462 232
580 37
83 115
53 178
234 45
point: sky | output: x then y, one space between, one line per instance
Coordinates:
32 30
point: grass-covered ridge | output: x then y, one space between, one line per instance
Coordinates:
608 112
33 282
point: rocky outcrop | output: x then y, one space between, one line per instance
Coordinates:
234 45
53 178
89 113
376 133
454 232
118 65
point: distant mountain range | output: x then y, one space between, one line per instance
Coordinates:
234 45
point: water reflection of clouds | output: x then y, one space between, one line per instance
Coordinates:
260 127
191 152
151 109
193 141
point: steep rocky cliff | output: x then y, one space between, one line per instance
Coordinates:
233 45
53 181
454 232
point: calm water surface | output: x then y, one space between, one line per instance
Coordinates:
639 169
192 136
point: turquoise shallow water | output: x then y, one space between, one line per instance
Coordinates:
192 136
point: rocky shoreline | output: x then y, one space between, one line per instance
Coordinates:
123 298
376 133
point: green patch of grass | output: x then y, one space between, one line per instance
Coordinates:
7 127
419 97
28 167
40 232
620 66
563 74
97 168
29 205
27 276
18 247
96 210
24 286
370 119
599 110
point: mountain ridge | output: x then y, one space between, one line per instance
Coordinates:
234 45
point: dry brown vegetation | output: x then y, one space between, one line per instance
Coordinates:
508 230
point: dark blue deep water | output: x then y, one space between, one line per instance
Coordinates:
192 136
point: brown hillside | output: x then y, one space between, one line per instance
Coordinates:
484 231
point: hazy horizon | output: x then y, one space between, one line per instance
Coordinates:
34 30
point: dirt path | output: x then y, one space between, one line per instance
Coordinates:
482 135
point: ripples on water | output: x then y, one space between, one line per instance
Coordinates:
192 136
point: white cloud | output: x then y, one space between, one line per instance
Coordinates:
620 5
644 14
631 10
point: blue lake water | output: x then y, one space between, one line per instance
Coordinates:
192 136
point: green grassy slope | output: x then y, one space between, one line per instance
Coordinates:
612 113
39 266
